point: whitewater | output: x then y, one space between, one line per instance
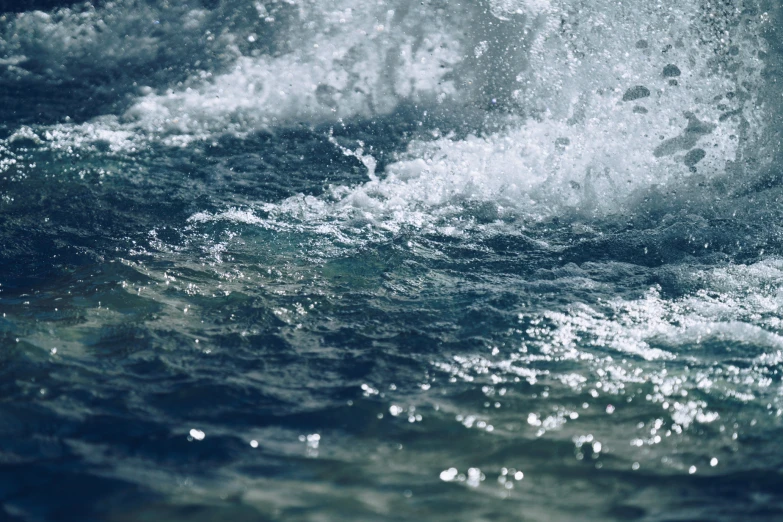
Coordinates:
391 260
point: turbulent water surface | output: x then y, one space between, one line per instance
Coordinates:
320 260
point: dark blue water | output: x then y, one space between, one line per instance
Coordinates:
344 260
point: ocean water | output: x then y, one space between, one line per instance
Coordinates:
321 260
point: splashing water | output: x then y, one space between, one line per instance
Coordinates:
315 260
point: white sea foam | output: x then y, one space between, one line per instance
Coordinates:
738 304
688 356
604 100
611 102
356 62
326 61
726 338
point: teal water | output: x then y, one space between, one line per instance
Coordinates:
504 260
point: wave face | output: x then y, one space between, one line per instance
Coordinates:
351 260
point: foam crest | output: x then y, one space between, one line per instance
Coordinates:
696 359
352 61
726 335
737 304
240 66
611 102
601 101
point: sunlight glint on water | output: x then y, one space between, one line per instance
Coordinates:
386 260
